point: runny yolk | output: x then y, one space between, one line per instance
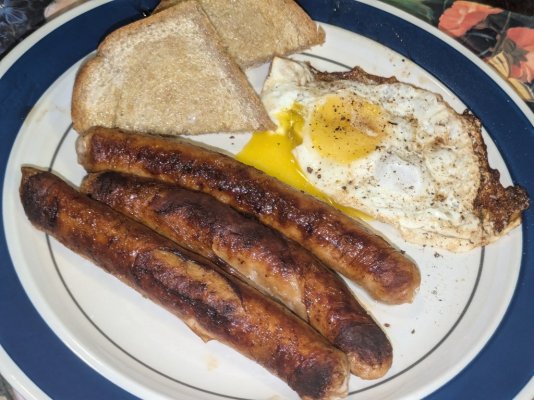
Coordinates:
272 153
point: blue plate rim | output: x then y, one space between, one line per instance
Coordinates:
137 8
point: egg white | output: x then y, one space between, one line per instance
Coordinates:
423 175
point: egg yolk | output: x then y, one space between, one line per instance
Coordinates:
345 129
271 152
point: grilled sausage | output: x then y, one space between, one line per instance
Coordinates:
212 303
265 258
341 242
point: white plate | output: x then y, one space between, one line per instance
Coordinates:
148 352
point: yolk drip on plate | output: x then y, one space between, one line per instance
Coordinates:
271 152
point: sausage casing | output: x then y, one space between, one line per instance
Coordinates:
265 258
213 304
341 242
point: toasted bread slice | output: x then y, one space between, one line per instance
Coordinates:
257 30
166 74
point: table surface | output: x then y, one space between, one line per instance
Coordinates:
501 32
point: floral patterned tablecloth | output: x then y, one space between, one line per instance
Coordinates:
501 32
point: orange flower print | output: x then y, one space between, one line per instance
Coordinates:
522 65
463 15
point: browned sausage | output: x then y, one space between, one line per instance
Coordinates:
213 304
265 258
341 242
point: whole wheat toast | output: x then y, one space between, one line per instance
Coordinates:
257 30
166 74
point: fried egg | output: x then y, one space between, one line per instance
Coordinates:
391 150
